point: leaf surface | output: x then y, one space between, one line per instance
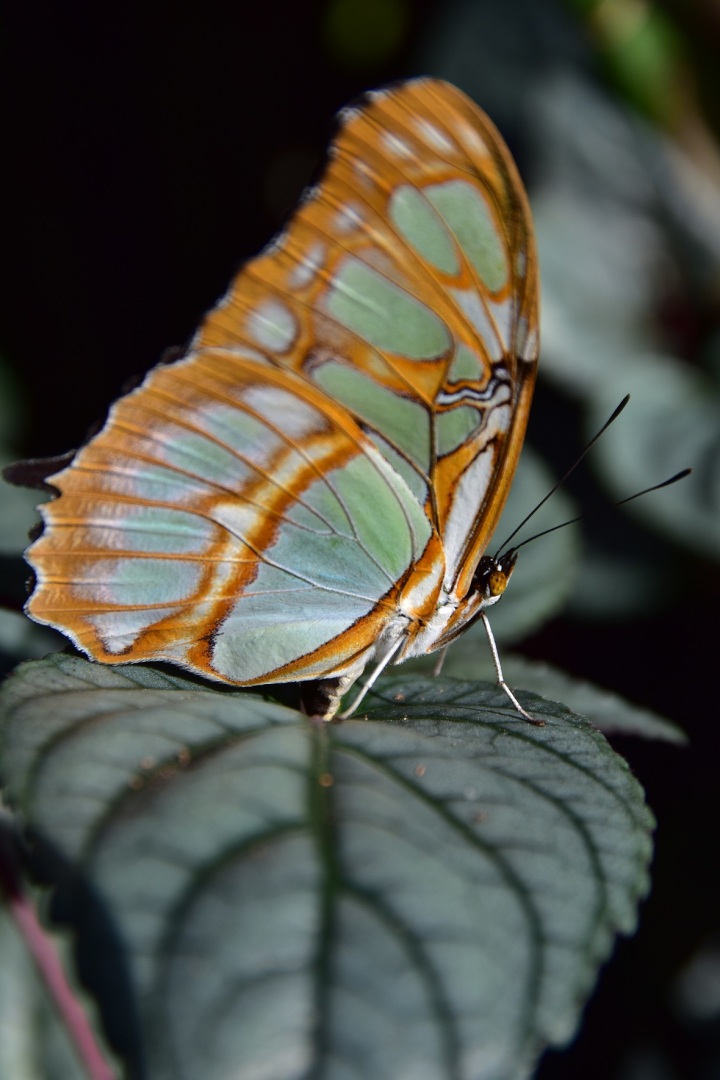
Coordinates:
427 892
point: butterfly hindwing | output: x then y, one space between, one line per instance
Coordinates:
227 518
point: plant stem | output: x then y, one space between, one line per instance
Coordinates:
45 955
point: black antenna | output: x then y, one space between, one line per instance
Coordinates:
581 517
563 478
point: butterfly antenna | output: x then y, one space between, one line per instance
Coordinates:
621 502
569 472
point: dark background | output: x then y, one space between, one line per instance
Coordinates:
148 150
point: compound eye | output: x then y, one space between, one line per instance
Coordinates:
497 582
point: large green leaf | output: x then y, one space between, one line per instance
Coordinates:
427 892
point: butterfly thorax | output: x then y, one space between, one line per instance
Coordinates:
451 614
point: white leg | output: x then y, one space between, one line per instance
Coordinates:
380 666
501 678
440 660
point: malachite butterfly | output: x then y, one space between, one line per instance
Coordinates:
312 487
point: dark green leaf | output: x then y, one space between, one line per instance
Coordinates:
428 892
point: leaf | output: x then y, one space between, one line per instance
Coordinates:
18 513
469 658
427 892
594 192
613 188
610 713
675 424
21 638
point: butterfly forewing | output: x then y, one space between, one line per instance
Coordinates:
406 286
324 468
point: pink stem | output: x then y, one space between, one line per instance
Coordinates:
44 953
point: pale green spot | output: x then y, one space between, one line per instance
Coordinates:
226 434
468 215
415 481
230 424
151 529
319 510
399 420
206 460
466 366
383 512
384 314
273 326
453 428
284 410
380 547
155 483
119 630
130 582
422 227
279 620
313 587
471 304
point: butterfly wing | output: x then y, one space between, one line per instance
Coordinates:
340 438
231 519
406 286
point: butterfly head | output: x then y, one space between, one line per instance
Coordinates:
493 574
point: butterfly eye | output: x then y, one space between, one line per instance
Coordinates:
497 582
492 575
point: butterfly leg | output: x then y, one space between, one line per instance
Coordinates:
440 661
379 668
501 678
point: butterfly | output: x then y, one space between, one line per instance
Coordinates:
311 488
